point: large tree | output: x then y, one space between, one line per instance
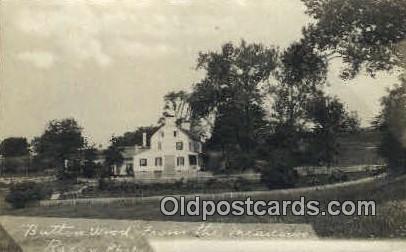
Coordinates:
329 118
365 34
114 158
231 92
14 146
177 105
392 123
60 144
89 166
301 114
300 75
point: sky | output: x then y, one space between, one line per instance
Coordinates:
109 63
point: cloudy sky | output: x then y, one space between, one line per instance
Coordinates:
108 63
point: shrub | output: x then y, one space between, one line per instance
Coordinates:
241 161
241 184
211 181
23 193
279 177
214 184
103 184
179 183
89 169
280 172
337 176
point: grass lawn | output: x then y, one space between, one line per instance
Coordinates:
390 221
128 189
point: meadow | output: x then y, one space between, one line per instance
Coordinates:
389 222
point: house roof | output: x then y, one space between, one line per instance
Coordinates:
187 132
156 129
130 151
190 134
127 151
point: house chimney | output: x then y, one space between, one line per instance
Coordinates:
170 120
144 139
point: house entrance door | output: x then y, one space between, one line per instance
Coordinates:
169 166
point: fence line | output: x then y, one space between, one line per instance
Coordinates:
324 170
200 177
131 201
11 180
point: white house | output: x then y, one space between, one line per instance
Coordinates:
173 151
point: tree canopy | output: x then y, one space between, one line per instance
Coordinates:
132 138
61 141
363 33
14 146
113 158
232 90
233 76
177 105
301 74
392 123
329 118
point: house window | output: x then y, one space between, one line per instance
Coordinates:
129 169
159 146
180 161
179 145
190 146
175 133
162 134
158 161
143 162
197 147
192 160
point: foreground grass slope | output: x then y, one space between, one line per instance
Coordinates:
7 244
390 221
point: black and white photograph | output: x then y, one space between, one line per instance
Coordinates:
202 125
